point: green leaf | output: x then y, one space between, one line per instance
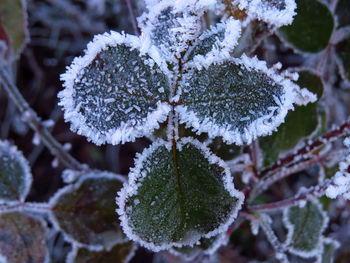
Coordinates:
342 50
329 248
342 12
22 238
237 99
299 124
312 27
115 93
13 28
177 194
120 253
15 176
85 211
305 227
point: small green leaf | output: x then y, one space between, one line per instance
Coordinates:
329 248
176 195
15 176
22 238
305 227
237 99
217 40
115 93
312 27
85 211
206 41
342 12
13 27
300 123
120 253
342 50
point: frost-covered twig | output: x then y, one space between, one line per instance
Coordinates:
306 194
24 206
308 148
265 182
35 123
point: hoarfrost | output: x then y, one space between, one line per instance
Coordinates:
275 12
239 107
153 181
341 179
112 93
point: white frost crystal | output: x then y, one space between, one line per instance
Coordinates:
341 180
274 12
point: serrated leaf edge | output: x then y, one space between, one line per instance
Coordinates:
130 188
292 94
28 179
290 228
71 188
127 131
220 49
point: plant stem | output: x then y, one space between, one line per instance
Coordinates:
265 182
317 191
27 206
35 123
309 147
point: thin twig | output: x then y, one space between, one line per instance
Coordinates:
14 206
315 191
309 147
132 17
35 123
265 182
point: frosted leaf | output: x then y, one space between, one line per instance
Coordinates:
14 33
112 93
329 247
171 25
341 179
312 27
177 195
218 41
85 211
15 175
23 238
238 99
305 226
205 245
299 124
120 253
275 12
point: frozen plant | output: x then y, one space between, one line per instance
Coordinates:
225 126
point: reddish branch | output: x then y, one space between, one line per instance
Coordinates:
309 147
315 191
